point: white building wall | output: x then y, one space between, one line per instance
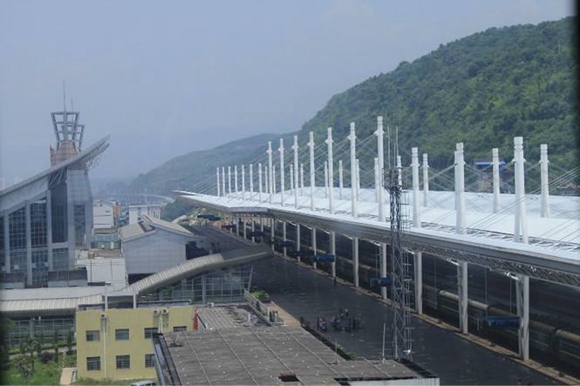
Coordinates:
101 270
154 252
103 215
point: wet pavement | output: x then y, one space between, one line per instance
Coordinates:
304 293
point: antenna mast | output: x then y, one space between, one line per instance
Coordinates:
401 279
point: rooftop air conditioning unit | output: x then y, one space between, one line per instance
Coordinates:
165 311
103 316
156 312
211 304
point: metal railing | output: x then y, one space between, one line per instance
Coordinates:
263 309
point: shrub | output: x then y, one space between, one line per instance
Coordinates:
46 356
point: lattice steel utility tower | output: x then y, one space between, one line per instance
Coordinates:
400 268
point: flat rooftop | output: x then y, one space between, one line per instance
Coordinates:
229 316
261 355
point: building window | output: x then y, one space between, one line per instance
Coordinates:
93 336
79 223
93 363
179 328
39 266
38 226
123 362
122 334
149 360
60 259
149 332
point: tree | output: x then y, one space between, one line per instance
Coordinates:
6 324
25 366
38 345
69 343
55 347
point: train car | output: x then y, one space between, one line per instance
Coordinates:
568 347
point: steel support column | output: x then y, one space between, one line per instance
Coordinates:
244 225
236 180
218 181
302 179
353 179
462 296
523 305
332 242
251 182
521 224
340 180
298 240
282 188
495 174
314 245
330 174
284 237
244 183
223 181
355 264
419 282
460 189
296 176
253 229
425 180
229 180
312 171
272 232
381 166
270 177
544 180
415 175
383 252
259 182
291 171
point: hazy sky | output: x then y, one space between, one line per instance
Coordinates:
167 77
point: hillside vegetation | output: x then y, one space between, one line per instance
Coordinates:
481 90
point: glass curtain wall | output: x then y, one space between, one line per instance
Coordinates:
218 286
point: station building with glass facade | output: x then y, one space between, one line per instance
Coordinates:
45 219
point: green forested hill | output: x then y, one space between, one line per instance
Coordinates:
482 90
197 170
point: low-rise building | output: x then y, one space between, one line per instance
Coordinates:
116 343
48 314
152 245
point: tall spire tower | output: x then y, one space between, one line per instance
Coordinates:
69 134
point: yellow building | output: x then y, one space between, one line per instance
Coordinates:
117 343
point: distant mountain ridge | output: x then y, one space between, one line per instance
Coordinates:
482 90
197 169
